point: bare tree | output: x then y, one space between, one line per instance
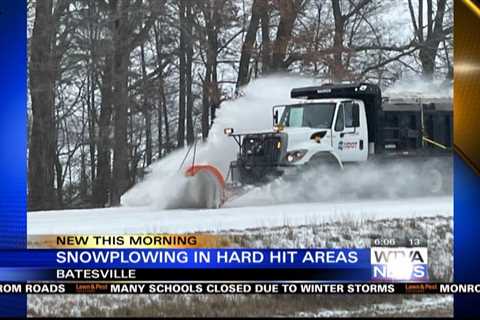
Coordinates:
429 36
340 18
212 14
247 47
125 39
288 14
146 109
102 182
188 70
43 69
266 43
162 61
181 69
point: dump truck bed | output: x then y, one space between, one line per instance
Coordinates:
414 125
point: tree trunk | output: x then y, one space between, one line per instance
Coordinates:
188 71
120 177
159 128
120 148
125 39
435 35
288 15
102 184
162 107
146 112
148 137
427 59
430 43
182 68
210 90
42 150
266 45
83 176
59 178
205 103
165 117
248 43
133 152
92 120
337 68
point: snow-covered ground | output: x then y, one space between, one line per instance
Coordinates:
146 220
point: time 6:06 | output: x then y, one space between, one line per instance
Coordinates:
385 242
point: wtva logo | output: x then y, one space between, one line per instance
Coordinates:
399 264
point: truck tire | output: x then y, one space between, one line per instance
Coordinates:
326 159
436 180
437 176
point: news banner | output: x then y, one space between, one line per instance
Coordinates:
195 264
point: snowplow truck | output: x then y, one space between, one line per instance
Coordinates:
345 124
330 127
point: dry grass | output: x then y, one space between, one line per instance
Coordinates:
249 306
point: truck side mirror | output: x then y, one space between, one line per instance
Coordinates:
277 112
356 115
275 117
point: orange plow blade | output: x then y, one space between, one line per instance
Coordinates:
206 188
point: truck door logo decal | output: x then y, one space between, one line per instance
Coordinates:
347 145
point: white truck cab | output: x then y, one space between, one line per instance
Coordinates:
316 126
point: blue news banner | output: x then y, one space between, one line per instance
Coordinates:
366 264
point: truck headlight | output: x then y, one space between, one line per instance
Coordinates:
296 155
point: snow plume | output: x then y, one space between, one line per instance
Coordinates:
165 184
417 87
370 180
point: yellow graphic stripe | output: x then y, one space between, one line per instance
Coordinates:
473 6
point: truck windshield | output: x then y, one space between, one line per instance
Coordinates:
313 115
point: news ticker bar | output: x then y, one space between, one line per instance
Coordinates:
132 275
237 288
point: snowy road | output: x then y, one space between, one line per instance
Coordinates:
148 220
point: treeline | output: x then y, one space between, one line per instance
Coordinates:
117 84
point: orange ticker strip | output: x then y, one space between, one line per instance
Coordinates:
144 241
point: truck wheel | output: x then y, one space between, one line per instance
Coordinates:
436 181
437 176
325 159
